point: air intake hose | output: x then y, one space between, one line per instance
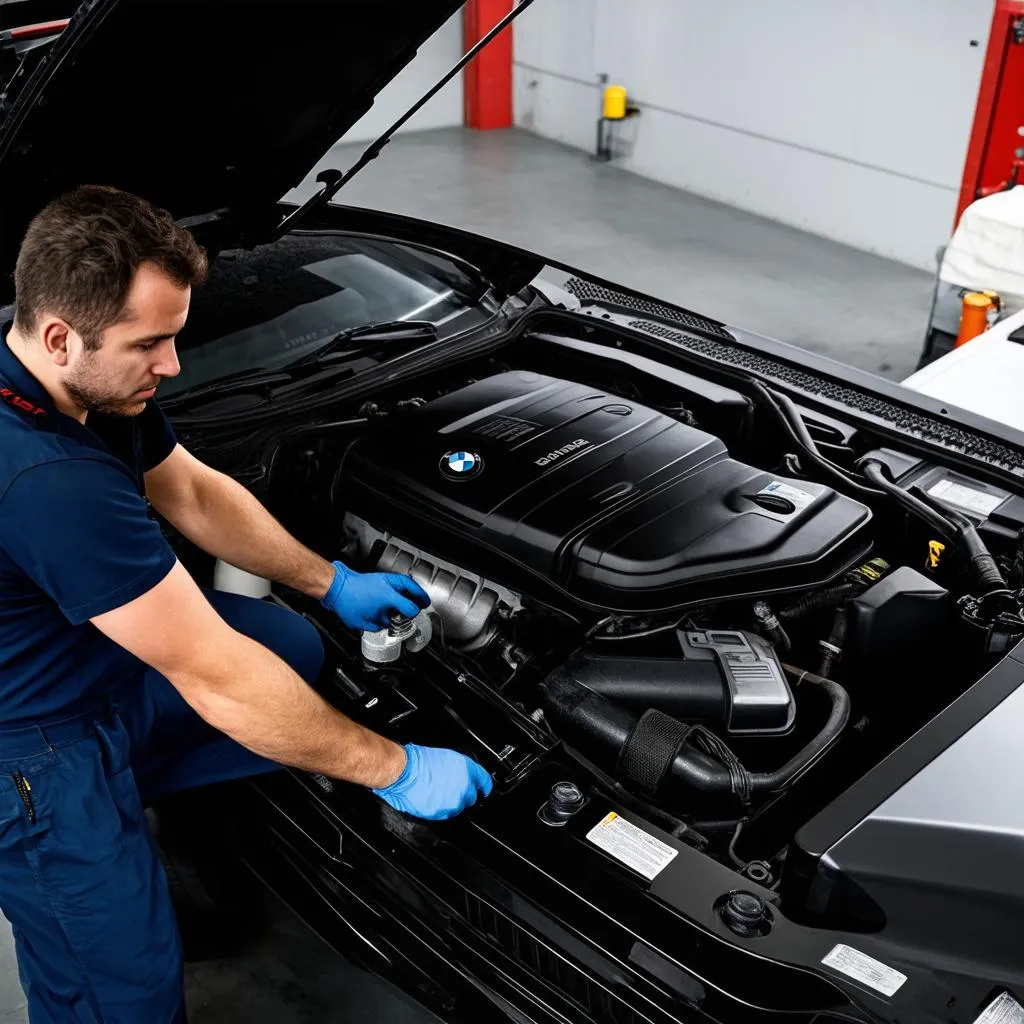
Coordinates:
988 579
659 755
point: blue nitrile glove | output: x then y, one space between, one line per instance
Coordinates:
436 783
365 600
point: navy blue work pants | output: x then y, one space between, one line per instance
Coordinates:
80 878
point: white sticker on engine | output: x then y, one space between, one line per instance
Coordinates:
631 845
800 499
970 499
865 969
1004 1010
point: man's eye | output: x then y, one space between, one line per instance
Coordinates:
146 346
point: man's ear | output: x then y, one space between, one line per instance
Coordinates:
54 334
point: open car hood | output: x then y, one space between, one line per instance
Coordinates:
210 109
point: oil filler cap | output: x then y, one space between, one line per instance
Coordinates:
774 503
746 914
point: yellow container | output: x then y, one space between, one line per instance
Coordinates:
614 102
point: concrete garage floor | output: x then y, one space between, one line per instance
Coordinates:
775 280
852 306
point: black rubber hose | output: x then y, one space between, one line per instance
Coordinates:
597 722
606 725
950 523
939 517
828 597
986 572
875 472
769 623
820 745
789 417
988 577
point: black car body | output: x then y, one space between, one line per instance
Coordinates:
640 529
27 30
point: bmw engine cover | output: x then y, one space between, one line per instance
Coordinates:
540 482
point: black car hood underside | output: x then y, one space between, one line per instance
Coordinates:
201 106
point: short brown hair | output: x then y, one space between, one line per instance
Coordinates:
81 251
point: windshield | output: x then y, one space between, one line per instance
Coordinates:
267 307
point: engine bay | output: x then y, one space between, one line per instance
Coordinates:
618 507
727 607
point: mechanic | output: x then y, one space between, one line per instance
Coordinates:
121 680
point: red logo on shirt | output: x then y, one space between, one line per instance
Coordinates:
21 403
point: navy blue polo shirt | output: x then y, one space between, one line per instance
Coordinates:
76 540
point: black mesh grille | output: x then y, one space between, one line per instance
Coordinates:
595 293
906 421
541 962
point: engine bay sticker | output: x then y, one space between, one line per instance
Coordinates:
801 499
865 969
1003 1010
631 845
970 499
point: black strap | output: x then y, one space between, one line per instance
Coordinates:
650 749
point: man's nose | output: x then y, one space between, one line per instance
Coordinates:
167 365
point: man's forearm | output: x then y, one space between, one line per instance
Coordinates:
242 688
249 693
253 696
228 522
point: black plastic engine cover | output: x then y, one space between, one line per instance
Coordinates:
618 506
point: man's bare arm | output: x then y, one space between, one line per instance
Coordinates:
245 690
220 516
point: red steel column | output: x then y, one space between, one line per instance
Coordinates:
1000 108
487 79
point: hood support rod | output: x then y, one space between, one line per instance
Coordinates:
333 180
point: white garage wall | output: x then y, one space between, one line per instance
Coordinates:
847 120
439 54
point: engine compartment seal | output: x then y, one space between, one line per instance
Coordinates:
906 421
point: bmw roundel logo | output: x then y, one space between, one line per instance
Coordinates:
460 465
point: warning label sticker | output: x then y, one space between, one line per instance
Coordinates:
970 499
865 969
631 845
1003 1010
801 499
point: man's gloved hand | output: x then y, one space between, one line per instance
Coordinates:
436 783
365 600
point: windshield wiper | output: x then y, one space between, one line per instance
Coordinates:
253 379
388 331
264 380
265 384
